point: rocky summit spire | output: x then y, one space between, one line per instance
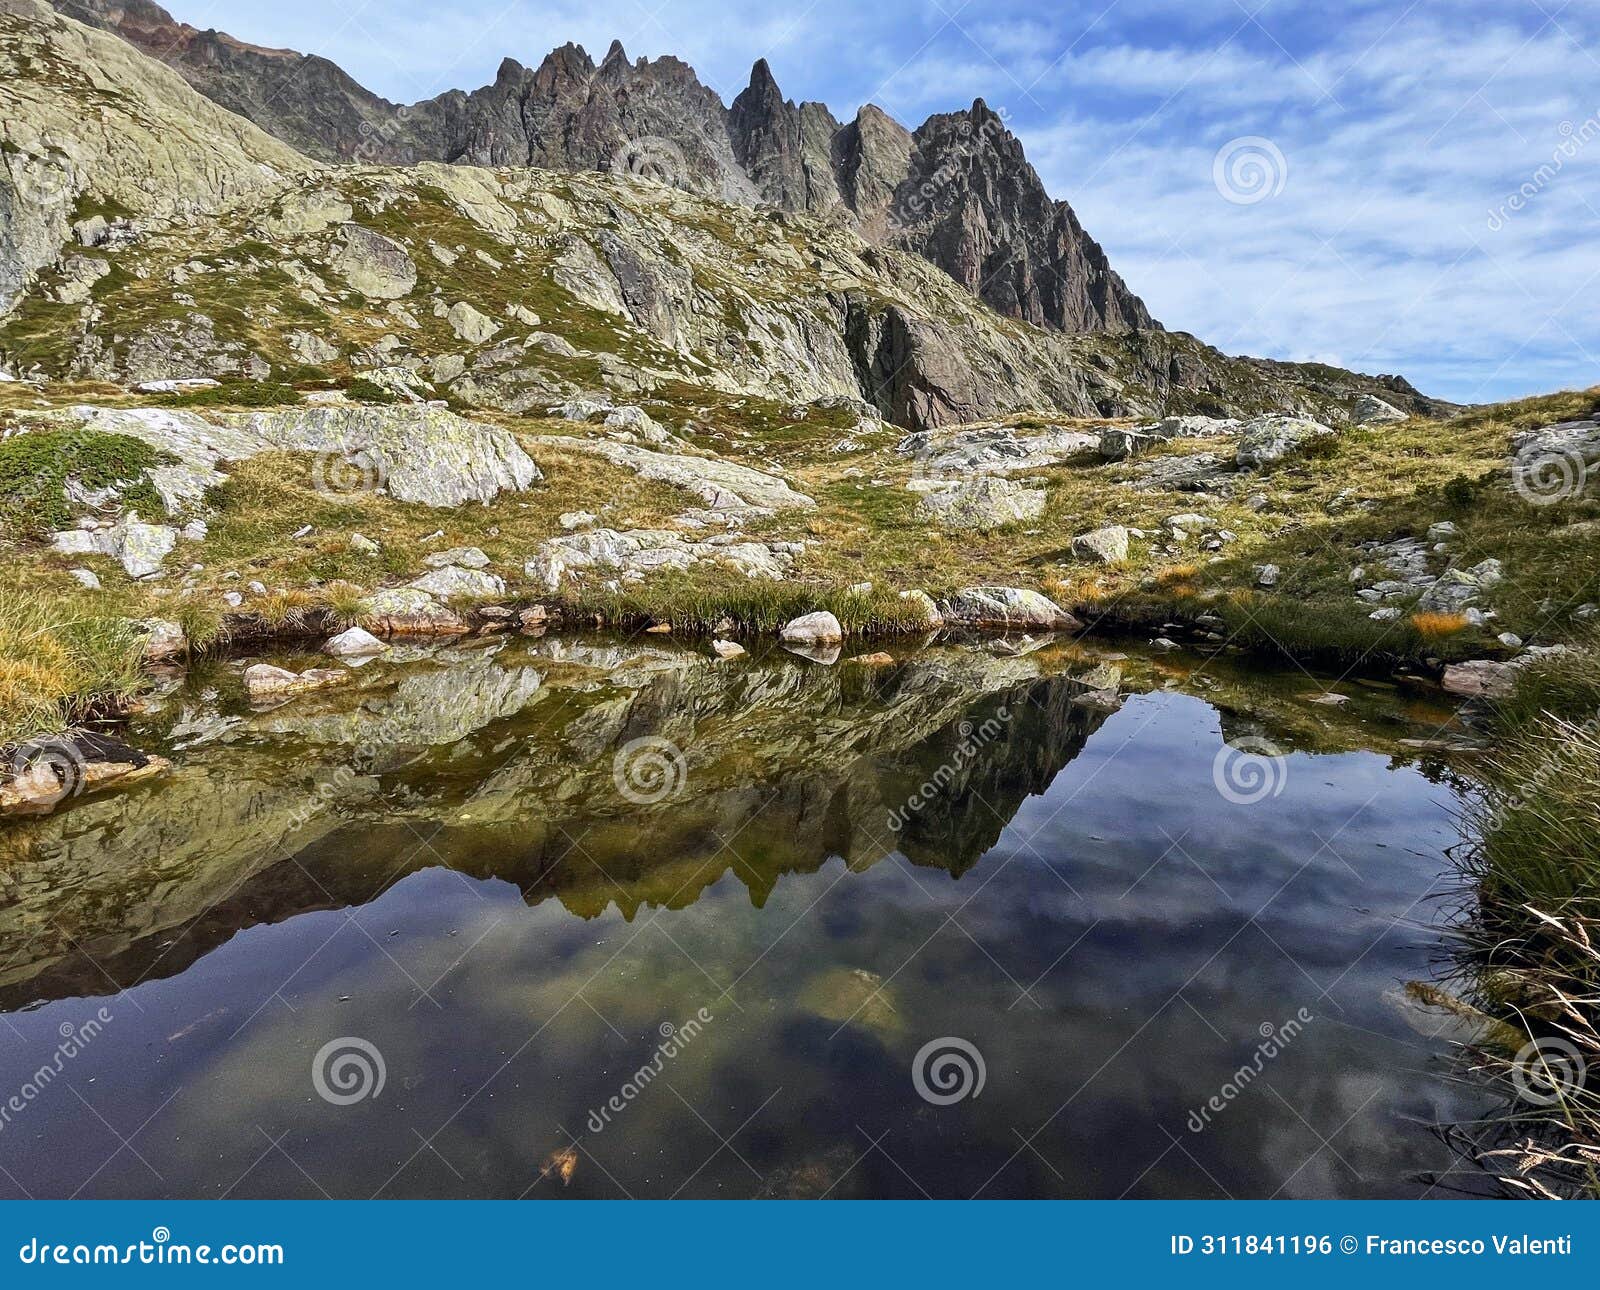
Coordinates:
957 191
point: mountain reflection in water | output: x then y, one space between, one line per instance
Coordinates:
454 860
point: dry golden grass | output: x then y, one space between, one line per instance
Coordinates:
1437 626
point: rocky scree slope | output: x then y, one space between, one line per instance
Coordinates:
957 191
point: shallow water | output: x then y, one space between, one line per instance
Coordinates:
468 863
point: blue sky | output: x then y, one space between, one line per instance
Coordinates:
1368 223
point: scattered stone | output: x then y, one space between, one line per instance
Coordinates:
1267 575
1510 640
1107 545
578 520
86 577
468 557
470 325
721 485
1384 615
364 545
819 628
1443 531
877 659
727 649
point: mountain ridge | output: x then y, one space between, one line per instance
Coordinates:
958 190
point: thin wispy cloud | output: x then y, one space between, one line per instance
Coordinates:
1407 131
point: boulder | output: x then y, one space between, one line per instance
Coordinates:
1107 545
452 582
987 502
1481 678
727 649
924 602
470 325
407 611
1005 607
376 266
355 643
1369 409
163 640
819 628
140 548
1265 440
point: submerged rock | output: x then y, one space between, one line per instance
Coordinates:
263 680
39 776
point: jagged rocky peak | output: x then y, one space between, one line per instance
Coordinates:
958 191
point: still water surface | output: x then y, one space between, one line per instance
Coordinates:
469 863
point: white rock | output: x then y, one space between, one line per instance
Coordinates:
1267 575
727 649
355 643
468 557
819 628
1107 545
578 520
87 577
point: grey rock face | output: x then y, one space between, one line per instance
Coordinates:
1371 410
958 191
